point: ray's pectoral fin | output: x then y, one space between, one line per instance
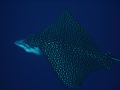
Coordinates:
28 48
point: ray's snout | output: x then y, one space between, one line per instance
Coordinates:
20 43
28 48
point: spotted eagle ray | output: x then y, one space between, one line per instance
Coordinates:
69 49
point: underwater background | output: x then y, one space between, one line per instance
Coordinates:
20 18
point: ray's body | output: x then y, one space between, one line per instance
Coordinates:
70 50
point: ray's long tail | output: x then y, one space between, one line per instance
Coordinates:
116 59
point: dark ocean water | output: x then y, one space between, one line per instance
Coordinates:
22 71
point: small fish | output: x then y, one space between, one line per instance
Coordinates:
70 50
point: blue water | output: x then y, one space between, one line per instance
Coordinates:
22 71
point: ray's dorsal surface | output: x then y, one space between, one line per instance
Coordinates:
69 49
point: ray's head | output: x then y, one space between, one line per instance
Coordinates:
28 47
